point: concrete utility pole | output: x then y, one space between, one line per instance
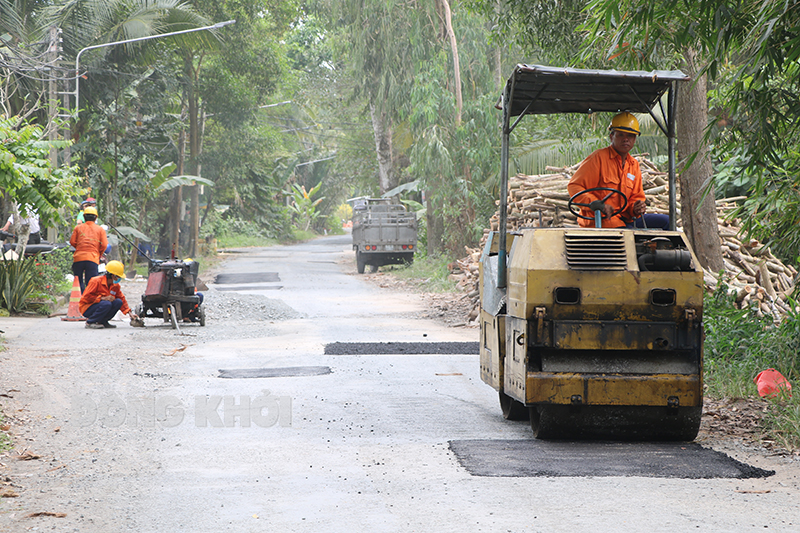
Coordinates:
53 48
52 98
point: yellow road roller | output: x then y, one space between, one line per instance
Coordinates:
593 333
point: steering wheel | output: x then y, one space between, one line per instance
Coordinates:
574 211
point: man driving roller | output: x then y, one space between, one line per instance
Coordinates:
614 168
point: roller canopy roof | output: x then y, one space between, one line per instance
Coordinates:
544 90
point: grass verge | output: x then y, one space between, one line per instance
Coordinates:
738 346
430 273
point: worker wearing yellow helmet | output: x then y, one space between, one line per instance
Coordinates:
614 168
90 242
103 298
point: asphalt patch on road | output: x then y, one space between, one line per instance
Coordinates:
280 372
537 458
401 348
246 277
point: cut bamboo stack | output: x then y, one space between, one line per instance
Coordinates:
758 279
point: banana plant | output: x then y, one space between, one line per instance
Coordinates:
160 182
303 205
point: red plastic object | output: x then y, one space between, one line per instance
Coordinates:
156 286
770 383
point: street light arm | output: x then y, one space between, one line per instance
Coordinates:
126 41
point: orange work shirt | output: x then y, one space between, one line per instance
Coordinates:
605 168
96 289
90 242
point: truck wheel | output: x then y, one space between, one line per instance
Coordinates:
201 315
360 264
373 268
512 409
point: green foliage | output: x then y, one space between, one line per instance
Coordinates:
50 273
752 51
26 174
739 345
771 212
17 282
303 206
239 240
429 273
299 235
86 23
249 175
546 29
783 420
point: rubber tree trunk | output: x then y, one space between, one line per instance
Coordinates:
382 132
447 15
698 208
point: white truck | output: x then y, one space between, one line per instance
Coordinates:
384 233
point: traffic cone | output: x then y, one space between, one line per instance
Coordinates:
73 312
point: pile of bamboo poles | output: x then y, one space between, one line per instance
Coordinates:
758 279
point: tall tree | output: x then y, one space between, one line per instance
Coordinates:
242 51
631 44
384 44
763 41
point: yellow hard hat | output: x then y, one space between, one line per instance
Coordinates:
116 268
90 211
625 122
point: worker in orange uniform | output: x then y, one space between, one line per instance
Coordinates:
103 298
614 168
90 242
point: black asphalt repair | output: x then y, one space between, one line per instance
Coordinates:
537 458
402 348
279 372
246 277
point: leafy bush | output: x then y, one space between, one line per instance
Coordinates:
739 345
52 271
273 225
432 273
17 283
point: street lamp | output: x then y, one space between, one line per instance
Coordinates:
78 57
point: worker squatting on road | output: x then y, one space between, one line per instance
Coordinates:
613 167
103 298
90 244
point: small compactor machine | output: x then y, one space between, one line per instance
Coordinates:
588 332
171 294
